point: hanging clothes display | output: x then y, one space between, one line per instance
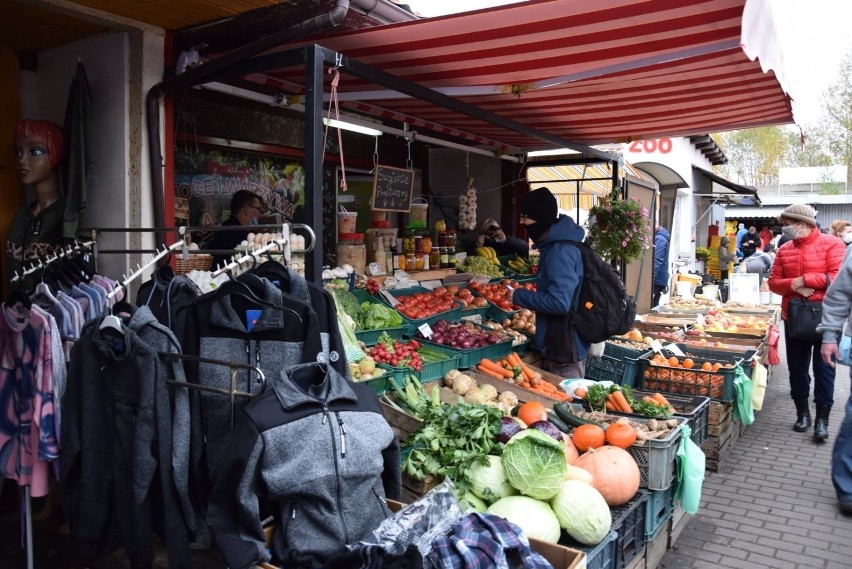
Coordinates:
253 324
167 295
318 449
28 427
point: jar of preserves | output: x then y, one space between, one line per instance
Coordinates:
445 258
418 261
435 258
426 243
408 242
418 244
351 250
410 262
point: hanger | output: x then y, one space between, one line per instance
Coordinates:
122 308
111 322
241 288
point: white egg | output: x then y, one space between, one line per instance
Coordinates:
250 237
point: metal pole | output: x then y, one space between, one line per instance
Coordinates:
29 526
314 67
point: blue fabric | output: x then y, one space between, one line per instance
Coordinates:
841 457
802 354
661 257
740 234
560 272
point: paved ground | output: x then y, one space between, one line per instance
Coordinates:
773 504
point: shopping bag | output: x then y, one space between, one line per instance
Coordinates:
845 348
803 317
759 378
690 472
743 408
773 358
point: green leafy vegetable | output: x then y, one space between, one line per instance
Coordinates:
375 316
534 517
347 301
534 463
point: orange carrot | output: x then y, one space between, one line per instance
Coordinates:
580 392
525 384
488 364
549 387
610 406
621 402
658 397
513 359
527 370
490 373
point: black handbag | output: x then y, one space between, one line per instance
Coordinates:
803 316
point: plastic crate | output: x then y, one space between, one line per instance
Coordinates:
495 312
696 411
658 511
656 458
718 385
600 556
605 368
383 384
469 358
428 372
521 349
738 358
410 326
371 337
629 521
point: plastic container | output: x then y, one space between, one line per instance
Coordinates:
629 522
469 358
352 250
347 221
656 458
371 337
381 385
410 325
618 364
717 385
658 511
600 556
419 212
379 217
428 372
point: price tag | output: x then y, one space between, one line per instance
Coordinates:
389 297
426 330
675 350
700 320
656 346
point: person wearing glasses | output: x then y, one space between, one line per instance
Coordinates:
246 208
490 234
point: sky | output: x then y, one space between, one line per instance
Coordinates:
814 35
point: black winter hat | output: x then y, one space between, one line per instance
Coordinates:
541 206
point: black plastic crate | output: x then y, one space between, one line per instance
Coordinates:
600 556
629 521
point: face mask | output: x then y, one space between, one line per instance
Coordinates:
253 221
847 238
537 230
790 232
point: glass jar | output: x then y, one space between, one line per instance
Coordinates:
410 262
435 258
408 242
351 250
418 261
418 244
426 243
445 258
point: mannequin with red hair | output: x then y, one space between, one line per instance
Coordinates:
37 227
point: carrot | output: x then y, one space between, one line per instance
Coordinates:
490 373
488 364
610 406
621 402
513 359
526 384
580 392
527 370
658 397
545 386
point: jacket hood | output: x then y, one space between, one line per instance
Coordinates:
141 318
725 241
664 232
565 229
290 395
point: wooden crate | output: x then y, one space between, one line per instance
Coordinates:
637 562
722 434
655 549
676 525
413 490
719 418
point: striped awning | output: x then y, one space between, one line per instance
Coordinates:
594 179
589 72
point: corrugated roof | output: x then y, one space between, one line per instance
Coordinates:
589 72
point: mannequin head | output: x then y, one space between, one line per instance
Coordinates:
39 149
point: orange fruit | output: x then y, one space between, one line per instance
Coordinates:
707 366
688 363
532 411
728 366
717 366
674 362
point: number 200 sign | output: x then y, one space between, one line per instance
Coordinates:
662 145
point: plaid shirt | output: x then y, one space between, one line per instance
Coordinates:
485 541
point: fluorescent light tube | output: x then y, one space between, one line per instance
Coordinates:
351 126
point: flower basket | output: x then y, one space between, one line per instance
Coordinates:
619 229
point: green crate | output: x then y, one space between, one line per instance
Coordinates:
428 372
521 349
410 326
371 337
383 384
469 358
658 511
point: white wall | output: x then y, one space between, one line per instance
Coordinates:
120 67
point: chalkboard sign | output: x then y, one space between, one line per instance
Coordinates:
392 188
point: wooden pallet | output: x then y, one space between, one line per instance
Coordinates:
719 417
637 562
413 490
655 549
717 450
676 525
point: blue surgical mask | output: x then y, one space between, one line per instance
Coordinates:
253 221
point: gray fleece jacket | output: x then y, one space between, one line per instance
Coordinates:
324 466
837 304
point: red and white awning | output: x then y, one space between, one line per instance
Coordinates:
589 72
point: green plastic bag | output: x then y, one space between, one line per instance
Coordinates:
743 407
690 472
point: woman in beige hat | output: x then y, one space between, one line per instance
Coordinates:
804 266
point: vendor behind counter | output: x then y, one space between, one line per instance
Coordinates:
490 234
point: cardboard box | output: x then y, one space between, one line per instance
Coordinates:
559 556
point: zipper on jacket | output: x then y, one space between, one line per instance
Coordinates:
342 435
248 362
326 414
256 359
288 519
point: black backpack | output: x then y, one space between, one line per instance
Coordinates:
604 308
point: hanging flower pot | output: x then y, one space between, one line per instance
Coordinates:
619 230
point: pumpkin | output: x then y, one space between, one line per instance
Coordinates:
620 434
577 473
571 452
588 436
582 512
615 473
532 412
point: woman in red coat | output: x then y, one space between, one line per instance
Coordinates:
804 266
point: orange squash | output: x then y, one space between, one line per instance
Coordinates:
571 452
620 435
615 473
588 436
531 412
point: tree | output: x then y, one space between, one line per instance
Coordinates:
814 152
756 154
837 104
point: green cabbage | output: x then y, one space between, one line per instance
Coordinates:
488 481
534 463
582 512
471 501
534 517
375 316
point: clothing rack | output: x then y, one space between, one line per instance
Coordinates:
139 270
42 263
233 392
